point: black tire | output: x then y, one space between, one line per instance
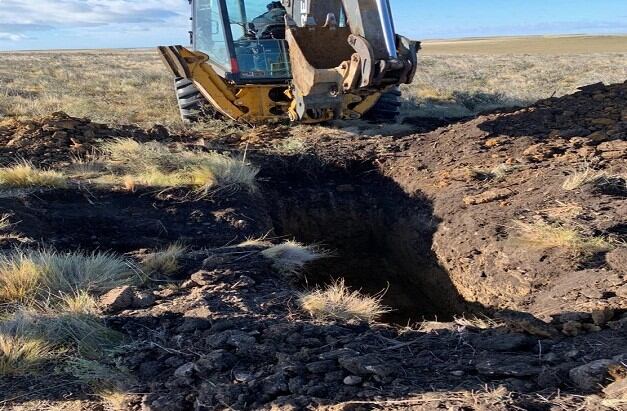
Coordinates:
191 102
387 109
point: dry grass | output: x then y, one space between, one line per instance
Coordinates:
164 262
154 164
543 235
581 178
290 257
337 302
564 211
24 175
459 85
478 322
536 45
22 354
121 87
44 277
4 221
126 87
79 303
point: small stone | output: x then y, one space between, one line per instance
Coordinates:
118 299
601 317
185 370
143 299
321 367
203 277
488 196
353 380
592 375
458 373
242 376
572 328
598 137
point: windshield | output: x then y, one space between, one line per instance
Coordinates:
258 29
209 33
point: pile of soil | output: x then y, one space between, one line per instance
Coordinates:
422 216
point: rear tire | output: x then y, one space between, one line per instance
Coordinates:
387 109
191 102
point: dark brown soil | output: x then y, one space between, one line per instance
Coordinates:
418 215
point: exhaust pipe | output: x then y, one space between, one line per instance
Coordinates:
387 23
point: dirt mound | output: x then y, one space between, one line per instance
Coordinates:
55 138
517 218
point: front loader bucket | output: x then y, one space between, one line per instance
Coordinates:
316 54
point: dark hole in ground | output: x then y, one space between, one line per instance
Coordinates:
382 240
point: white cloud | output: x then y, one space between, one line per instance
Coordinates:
34 15
11 36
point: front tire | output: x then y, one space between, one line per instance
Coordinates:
191 103
387 109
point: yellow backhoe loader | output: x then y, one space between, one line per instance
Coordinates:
306 60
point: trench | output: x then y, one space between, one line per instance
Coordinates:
381 239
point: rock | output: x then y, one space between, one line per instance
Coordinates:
335 354
203 277
186 370
488 196
613 149
321 367
572 328
496 367
598 137
218 360
366 365
275 384
143 299
353 380
591 376
240 340
243 376
617 259
602 317
503 342
525 322
118 299
540 152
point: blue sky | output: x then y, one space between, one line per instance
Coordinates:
45 24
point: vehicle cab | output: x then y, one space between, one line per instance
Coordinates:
244 39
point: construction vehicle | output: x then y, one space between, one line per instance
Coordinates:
303 60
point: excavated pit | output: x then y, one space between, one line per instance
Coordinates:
381 240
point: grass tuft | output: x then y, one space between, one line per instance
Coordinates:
543 235
165 262
581 178
79 303
42 277
338 302
156 165
290 257
25 175
22 354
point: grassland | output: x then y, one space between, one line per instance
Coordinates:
454 78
